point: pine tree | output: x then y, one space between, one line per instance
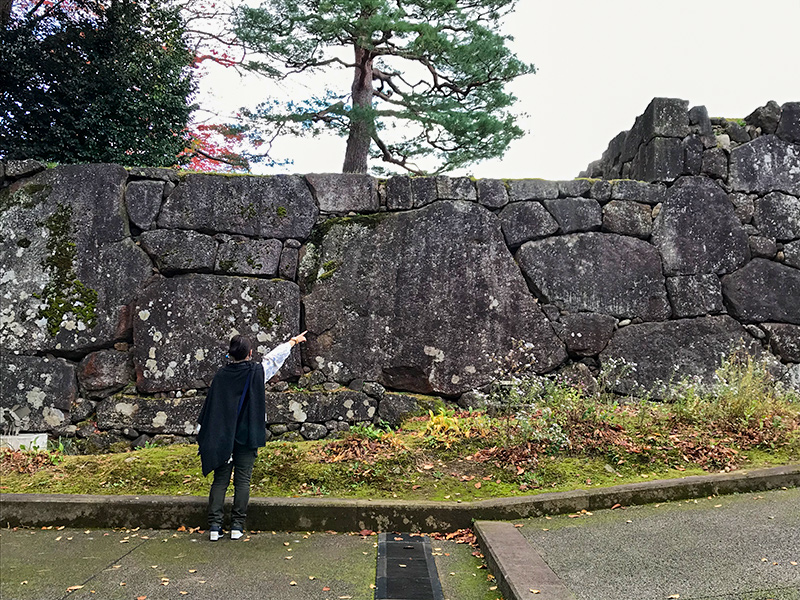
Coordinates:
427 77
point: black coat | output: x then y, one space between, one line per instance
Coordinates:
219 426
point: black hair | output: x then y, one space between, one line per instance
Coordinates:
240 347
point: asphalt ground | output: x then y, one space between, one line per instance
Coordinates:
43 564
739 547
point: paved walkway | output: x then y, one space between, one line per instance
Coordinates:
741 547
42 564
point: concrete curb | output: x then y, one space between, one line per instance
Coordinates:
320 514
519 569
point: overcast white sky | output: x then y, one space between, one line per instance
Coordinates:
600 62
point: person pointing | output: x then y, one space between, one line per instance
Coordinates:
232 427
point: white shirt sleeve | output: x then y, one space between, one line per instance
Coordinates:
275 359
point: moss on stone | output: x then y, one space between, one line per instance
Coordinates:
281 211
26 196
64 292
328 269
266 317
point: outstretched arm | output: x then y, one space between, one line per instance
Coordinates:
275 359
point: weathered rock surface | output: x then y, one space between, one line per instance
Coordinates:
143 201
628 218
340 193
789 126
657 354
243 256
176 416
581 272
180 251
763 291
777 215
47 386
638 191
532 189
697 230
492 193
525 221
318 407
102 373
660 159
765 165
765 117
694 295
575 214
784 340
455 188
428 301
279 207
585 334
182 326
791 254
67 269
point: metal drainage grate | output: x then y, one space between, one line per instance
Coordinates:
406 569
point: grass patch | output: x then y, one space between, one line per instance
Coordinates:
546 436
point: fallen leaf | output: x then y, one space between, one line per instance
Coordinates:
616 506
478 485
122 583
192 570
326 589
493 588
182 528
24 582
403 566
58 539
292 583
71 588
533 591
793 563
372 586
518 525
116 566
60 528
674 596
311 577
182 593
415 487
427 467
141 597
717 505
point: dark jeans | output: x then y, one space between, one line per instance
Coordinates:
242 468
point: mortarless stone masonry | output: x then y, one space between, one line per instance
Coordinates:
120 288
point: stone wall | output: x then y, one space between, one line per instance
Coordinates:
120 288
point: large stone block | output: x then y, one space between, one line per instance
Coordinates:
638 191
182 326
574 188
243 256
317 407
525 221
665 117
143 201
46 386
575 214
660 159
763 291
532 189
597 272
789 125
777 215
784 340
628 218
765 165
427 301
492 193
398 194
175 416
68 270
455 188
650 357
178 250
695 295
765 117
585 334
340 193
791 254
280 206
697 230
102 373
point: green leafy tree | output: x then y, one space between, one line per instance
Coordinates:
428 77
94 81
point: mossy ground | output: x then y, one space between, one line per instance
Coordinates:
551 437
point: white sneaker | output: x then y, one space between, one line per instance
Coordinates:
215 534
236 534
